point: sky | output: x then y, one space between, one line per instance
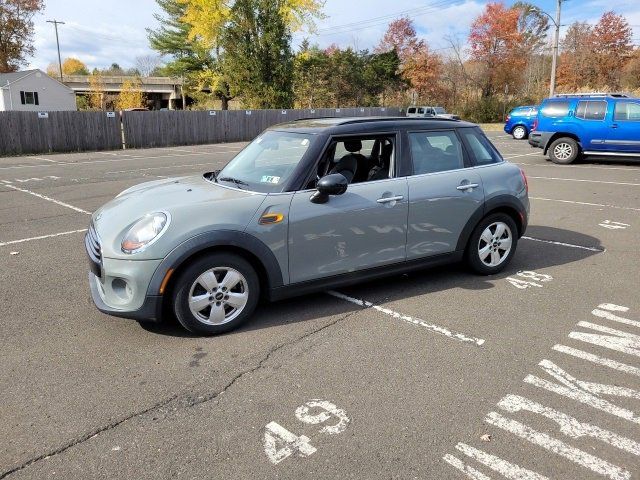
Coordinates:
100 33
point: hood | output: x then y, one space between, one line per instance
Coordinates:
194 204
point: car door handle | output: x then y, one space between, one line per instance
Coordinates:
397 198
467 186
614 125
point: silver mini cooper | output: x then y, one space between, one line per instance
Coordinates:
306 206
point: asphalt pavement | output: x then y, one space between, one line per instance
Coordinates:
530 374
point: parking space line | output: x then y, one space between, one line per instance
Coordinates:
159 168
416 321
523 155
562 244
41 237
45 159
49 199
589 204
586 181
575 167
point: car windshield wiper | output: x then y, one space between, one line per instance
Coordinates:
233 180
212 175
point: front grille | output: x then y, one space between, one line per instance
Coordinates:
92 244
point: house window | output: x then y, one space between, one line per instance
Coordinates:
29 98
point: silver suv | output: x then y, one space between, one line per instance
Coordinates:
306 206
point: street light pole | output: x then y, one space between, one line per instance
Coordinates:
556 41
55 23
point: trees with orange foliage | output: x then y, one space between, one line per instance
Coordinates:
16 32
419 66
612 47
496 47
576 66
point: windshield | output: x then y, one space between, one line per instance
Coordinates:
439 110
266 164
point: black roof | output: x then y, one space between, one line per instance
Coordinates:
346 125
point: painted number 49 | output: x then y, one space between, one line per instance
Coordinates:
532 279
280 443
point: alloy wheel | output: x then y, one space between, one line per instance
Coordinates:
218 295
519 133
563 151
495 244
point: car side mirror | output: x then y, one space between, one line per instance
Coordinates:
334 184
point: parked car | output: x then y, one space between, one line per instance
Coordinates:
430 112
520 120
307 206
568 126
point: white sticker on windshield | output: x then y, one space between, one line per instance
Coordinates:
305 142
270 179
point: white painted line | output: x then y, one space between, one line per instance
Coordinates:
159 168
612 307
615 318
615 340
584 203
416 321
41 237
569 425
506 469
558 447
129 159
114 154
562 244
605 362
470 472
45 159
49 199
574 167
585 181
523 155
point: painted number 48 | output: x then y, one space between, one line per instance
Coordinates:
532 279
280 443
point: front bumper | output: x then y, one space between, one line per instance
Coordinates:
121 289
151 309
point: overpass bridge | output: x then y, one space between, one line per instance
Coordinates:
161 92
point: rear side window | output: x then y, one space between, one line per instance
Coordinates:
627 111
412 110
420 110
555 109
483 151
436 151
591 110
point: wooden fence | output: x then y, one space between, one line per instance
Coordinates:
33 132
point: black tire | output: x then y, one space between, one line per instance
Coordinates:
250 284
519 132
472 253
563 151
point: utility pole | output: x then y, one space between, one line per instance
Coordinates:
556 41
55 24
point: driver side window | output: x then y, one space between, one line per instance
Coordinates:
359 159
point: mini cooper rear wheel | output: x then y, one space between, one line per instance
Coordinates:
492 244
519 132
216 294
563 150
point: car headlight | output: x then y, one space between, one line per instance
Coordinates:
144 232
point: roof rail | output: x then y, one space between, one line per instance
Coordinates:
594 94
389 119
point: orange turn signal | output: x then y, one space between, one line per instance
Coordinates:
271 218
165 281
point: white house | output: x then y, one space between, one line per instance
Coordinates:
35 91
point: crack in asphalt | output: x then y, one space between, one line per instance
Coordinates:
198 401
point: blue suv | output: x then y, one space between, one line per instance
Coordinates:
587 124
520 121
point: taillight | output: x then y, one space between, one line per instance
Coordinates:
535 125
524 179
508 118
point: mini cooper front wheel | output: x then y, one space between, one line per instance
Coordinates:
216 294
519 132
492 244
